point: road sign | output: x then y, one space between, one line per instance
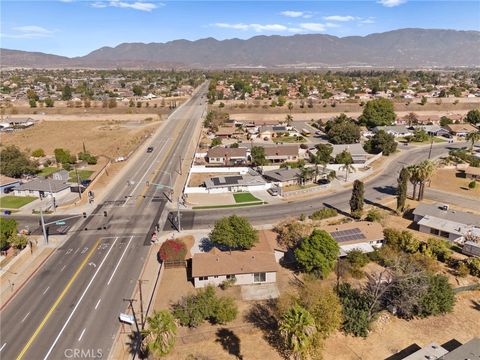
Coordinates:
125 318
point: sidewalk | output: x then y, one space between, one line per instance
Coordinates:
20 269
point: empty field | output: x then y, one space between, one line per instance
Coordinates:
110 139
15 202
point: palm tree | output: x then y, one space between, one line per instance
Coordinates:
317 159
297 327
413 171
160 335
305 175
289 119
425 170
473 137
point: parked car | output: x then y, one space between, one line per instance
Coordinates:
274 191
150 149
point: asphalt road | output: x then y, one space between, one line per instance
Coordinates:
70 308
375 190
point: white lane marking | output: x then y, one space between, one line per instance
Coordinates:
79 301
145 173
3 346
98 303
81 335
119 261
63 268
46 290
25 317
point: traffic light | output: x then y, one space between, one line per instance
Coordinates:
105 213
84 215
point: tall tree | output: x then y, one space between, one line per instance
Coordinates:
473 116
425 170
306 174
402 186
15 163
258 155
346 159
473 138
414 178
160 334
342 130
381 142
297 327
321 157
318 253
378 112
66 93
357 199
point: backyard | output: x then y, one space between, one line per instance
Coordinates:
82 174
15 202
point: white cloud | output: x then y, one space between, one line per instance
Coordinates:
370 20
391 3
255 27
341 18
293 14
28 32
314 27
137 5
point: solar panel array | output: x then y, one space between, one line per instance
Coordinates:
230 180
348 235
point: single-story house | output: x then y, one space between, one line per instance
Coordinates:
395 130
42 188
461 129
225 131
362 235
441 221
472 173
280 153
63 175
283 177
359 155
471 248
235 183
255 266
8 183
223 155
450 350
432 130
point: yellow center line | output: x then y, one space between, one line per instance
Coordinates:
60 297
152 177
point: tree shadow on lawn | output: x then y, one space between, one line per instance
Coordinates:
261 315
229 341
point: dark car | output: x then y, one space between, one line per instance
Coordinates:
150 149
448 136
86 182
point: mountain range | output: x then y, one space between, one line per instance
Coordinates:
403 48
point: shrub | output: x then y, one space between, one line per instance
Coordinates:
462 269
374 215
38 153
439 299
474 266
355 310
224 310
437 248
472 184
172 250
324 213
401 240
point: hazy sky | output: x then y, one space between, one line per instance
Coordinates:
75 27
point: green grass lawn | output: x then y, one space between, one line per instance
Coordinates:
435 140
244 197
15 202
83 174
48 171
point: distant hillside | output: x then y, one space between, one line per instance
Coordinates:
398 48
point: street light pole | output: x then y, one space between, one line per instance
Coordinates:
431 145
42 221
78 184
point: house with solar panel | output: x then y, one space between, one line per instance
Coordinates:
362 235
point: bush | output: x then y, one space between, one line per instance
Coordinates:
462 269
324 213
38 153
193 309
374 215
437 248
357 214
401 240
474 266
472 184
172 250
439 299
355 311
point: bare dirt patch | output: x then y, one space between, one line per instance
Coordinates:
100 138
453 181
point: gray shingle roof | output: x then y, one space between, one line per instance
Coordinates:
44 185
435 210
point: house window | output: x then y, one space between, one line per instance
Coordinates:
259 277
230 277
434 231
203 278
215 276
444 234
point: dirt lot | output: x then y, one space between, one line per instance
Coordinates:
392 334
101 138
453 181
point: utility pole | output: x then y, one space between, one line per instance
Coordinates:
78 183
142 320
431 145
178 215
180 158
42 221
138 335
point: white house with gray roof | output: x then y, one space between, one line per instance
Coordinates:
450 224
42 188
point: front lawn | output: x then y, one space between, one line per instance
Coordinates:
244 197
15 202
83 174
289 139
428 141
46 171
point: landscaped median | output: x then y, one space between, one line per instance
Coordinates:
15 202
